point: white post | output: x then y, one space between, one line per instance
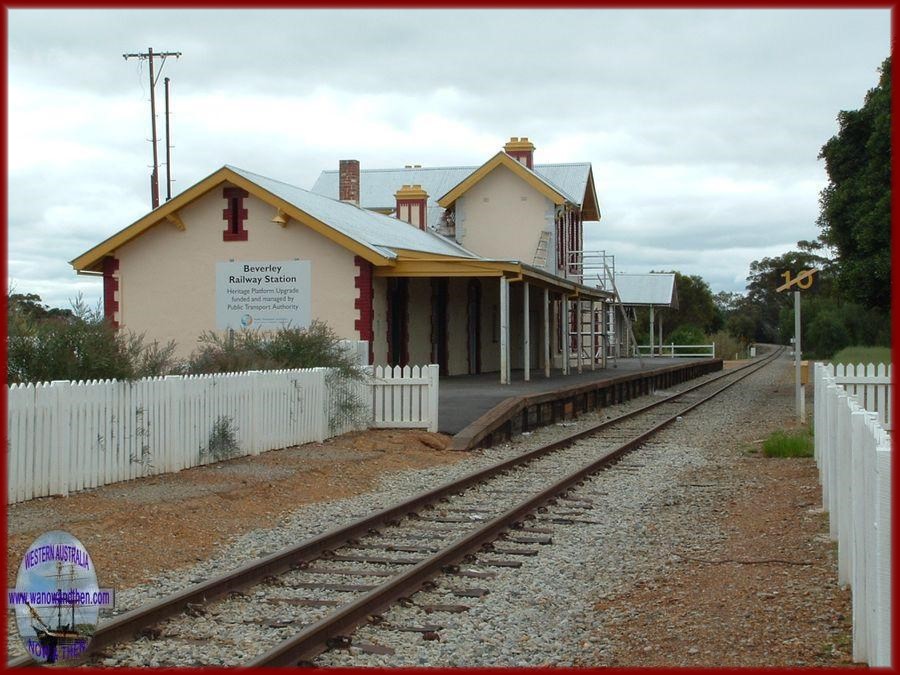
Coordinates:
593 336
546 332
504 330
651 331
659 342
564 317
579 334
433 384
527 326
61 434
801 413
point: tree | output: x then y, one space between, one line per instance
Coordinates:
30 305
855 213
764 303
696 306
78 344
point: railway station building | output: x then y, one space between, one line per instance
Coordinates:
478 269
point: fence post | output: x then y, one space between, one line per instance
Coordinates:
255 411
60 443
433 384
858 448
175 443
881 654
844 506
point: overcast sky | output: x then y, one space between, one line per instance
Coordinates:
703 126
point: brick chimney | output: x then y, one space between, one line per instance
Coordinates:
349 181
521 150
412 203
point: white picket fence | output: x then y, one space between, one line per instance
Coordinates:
869 384
68 436
405 397
853 453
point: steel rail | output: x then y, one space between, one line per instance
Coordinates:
130 623
315 638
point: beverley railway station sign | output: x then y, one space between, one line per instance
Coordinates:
263 295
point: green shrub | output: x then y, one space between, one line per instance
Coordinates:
78 346
789 444
826 334
865 355
222 443
687 334
228 352
728 346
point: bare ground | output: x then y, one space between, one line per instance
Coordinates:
767 596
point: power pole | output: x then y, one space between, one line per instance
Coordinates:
168 146
154 176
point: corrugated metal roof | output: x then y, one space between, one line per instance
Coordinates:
378 186
647 289
379 232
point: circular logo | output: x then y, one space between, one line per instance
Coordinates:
56 599
246 320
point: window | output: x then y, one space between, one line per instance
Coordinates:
234 214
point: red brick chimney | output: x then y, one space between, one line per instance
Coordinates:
349 181
412 203
521 150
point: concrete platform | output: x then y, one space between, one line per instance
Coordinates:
465 398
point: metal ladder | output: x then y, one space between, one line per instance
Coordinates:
617 301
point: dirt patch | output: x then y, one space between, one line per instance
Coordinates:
767 595
136 529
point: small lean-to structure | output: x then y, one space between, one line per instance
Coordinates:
655 290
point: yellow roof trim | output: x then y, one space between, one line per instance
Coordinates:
91 260
466 267
410 254
501 159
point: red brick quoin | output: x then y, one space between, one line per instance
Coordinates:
110 286
365 323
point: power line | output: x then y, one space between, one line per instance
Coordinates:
149 54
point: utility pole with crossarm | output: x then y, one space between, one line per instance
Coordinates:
149 54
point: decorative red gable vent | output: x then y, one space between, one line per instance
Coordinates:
412 202
234 214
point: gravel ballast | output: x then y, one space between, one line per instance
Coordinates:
604 592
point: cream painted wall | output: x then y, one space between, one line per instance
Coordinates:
502 217
167 282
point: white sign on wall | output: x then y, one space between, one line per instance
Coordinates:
266 295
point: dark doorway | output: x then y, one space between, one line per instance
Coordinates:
439 295
398 321
473 333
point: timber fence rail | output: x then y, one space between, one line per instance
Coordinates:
676 351
67 436
853 453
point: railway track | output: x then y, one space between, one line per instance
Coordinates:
453 538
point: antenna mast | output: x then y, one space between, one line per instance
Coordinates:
154 176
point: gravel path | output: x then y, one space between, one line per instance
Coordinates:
606 593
